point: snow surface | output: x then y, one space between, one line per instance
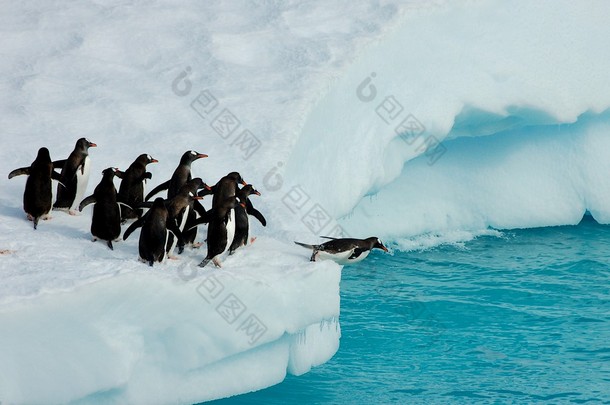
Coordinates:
518 94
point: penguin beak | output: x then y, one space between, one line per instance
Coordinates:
207 187
257 193
198 197
244 183
385 249
154 161
202 155
243 205
92 145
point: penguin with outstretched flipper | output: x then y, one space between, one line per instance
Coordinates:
154 233
181 175
38 194
106 219
131 190
218 233
74 177
242 221
344 250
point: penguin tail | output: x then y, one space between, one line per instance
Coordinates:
305 245
109 243
36 222
204 262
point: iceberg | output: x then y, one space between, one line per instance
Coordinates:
468 116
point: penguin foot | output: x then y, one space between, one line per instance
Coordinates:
196 245
46 217
30 217
172 257
252 239
73 212
6 251
216 262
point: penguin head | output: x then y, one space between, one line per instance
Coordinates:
237 177
190 156
248 189
109 172
84 144
193 196
378 244
145 159
43 154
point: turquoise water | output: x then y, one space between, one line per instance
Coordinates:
523 318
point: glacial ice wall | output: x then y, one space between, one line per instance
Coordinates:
471 115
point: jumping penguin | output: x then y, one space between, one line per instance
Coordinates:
75 176
131 190
38 194
242 221
344 250
106 220
154 233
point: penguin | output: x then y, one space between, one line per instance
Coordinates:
179 209
181 175
154 233
75 176
38 194
131 190
225 189
344 250
106 220
242 222
218 234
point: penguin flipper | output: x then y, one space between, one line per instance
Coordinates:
173 228
19 172
255 213
200 209
136 224
197 222
328 237
87 201
126 205
356 253
146 176
159 188
57 176
119 174
59 164
146 204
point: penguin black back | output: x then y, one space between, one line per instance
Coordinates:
106 219
38 194
217 232
242 221
131 190
74 176
181 175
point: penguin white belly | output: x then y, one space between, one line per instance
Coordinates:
230 229
360 258
339 257
82 179
181 227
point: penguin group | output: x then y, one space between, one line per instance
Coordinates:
166 223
